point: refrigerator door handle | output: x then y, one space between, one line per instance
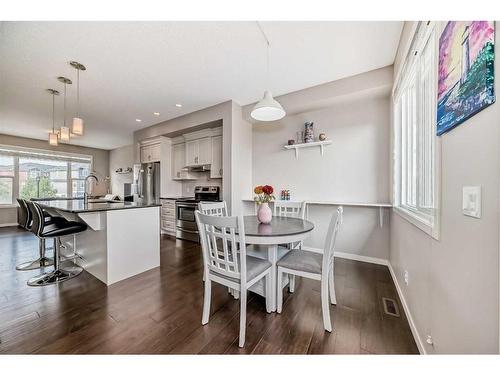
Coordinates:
139 184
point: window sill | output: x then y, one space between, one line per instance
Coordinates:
8 205
418 222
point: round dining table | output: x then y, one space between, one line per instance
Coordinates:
281 230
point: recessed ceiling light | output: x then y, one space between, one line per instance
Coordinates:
178 105
138 120
156 113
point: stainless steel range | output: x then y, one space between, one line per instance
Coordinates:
186 228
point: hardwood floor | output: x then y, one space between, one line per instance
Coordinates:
159 311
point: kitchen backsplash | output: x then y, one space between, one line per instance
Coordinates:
202 180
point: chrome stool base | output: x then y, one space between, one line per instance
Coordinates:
55 276
36 264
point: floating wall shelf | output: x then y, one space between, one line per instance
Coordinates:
124 171
319 144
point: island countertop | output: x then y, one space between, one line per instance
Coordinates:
77 205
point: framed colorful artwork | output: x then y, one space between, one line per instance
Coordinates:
466 72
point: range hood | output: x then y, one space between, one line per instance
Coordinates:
200 168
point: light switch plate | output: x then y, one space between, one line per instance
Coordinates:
471 201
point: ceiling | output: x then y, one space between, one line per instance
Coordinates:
137 68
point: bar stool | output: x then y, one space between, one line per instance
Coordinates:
55 230
25 220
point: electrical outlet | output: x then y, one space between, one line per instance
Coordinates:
407 277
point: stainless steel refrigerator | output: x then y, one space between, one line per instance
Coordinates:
147 183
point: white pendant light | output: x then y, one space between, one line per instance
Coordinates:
53 136
267 109
77 127
64 132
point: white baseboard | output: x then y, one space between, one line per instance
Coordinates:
361 258
8 225
413 327
344 255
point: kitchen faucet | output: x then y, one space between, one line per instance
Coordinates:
85 194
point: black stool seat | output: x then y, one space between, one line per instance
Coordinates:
62 227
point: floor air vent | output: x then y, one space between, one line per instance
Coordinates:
390 307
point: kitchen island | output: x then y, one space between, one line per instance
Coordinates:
122 239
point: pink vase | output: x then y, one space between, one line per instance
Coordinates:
264 213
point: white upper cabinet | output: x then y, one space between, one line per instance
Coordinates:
150 153
199 152
178 159
216 167
192 153
205 150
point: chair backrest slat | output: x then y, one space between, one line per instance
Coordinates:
331 237
213 208
290 209
222 253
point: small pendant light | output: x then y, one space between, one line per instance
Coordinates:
53 136
64 132
77 127
267 109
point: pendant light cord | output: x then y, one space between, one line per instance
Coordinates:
53 113
267 51
78 93
64 110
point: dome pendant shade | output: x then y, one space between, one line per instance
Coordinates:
77 127
268 109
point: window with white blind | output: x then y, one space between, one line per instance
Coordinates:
29 173
415 195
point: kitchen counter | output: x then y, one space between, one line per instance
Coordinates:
122 238
77 205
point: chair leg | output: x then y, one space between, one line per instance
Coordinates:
325 305
59 273
291 285
41 262
269 308
206 301
236 294
331 287
279 295
243 316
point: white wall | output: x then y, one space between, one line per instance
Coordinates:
355 168
122 157
453 293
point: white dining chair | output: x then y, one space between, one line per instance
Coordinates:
225 262
314 266
290 209
213 208
282 209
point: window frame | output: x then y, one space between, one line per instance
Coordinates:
426 219
23 152
13 178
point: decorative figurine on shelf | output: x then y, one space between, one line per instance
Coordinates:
322 137
308 132
291 142
264 195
